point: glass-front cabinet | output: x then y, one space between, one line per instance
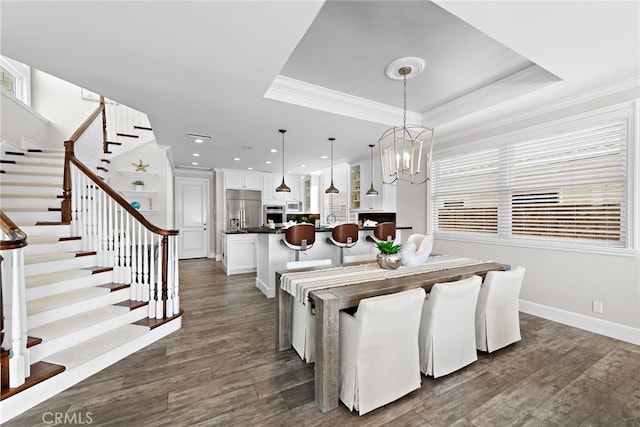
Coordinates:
355 187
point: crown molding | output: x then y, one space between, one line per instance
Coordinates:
297 92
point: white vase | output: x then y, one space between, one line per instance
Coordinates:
139 187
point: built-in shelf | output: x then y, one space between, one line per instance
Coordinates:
134 193
138 175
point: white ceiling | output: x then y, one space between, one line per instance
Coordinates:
206 66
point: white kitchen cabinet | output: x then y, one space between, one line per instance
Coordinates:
242 181
239 253
271 181
374 203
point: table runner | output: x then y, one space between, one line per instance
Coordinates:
299 284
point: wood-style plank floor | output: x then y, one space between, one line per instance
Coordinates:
221 369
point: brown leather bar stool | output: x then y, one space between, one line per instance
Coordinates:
384 232
343 236
299 237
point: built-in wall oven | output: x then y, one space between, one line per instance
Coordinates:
275 213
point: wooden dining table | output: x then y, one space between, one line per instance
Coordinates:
328 303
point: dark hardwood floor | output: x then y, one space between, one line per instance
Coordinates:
221 369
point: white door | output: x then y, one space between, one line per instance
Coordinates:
192 207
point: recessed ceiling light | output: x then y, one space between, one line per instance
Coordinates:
198 135
324 157
288 171
198 140
303 166
194 163
196 155
237 159
273 150
268 162
250 168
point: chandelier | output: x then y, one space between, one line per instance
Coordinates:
403 156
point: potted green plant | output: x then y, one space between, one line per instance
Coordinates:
388 255
138 185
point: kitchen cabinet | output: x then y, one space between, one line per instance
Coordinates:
242 181
239 253
271 181
385 200
355 187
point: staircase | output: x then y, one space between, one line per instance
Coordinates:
78 320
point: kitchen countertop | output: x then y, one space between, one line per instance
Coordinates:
278 230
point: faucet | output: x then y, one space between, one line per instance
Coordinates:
331 218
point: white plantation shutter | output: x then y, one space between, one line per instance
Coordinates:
562 183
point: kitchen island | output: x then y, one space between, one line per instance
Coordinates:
271 255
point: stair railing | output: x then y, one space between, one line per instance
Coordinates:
142 255
122 118
13 300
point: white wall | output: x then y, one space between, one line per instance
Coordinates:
61 103
561 284
412 208
21 123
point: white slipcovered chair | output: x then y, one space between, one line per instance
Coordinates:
416 250
497 314
379 360
303 326
447 329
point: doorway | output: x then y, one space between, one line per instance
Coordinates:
192 217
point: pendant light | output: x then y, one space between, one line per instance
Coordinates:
371 191
401 147
282 188
332 189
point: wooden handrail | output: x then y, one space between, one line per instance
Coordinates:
83 127
17 237
114 195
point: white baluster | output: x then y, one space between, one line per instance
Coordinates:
152 283
169 260
146 254
161 260
126 271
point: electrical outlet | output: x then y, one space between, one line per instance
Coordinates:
596 306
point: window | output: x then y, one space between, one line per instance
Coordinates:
564 183
15 79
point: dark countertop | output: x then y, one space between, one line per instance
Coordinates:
278 230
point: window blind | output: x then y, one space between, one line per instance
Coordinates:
566 182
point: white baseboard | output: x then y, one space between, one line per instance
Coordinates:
27 399
265 289
602 327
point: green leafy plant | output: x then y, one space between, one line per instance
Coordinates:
388 247
138 182
304 219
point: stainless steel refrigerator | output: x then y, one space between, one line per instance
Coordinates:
244 208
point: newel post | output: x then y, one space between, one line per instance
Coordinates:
66 182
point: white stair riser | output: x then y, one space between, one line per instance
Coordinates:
40 167
62 264
68 285
43 248
35 188
46 348
58 313
49 202
19 217
8 178
47 230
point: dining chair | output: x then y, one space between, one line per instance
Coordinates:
447 328
416 250
343 236
299 237
497 314
378 352
303 326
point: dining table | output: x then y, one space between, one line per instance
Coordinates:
338 287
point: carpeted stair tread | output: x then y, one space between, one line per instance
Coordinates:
25 209
65 298
81 321
42 240
33 173
54 277
31 184
28 196
41 164
54 256
88 350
